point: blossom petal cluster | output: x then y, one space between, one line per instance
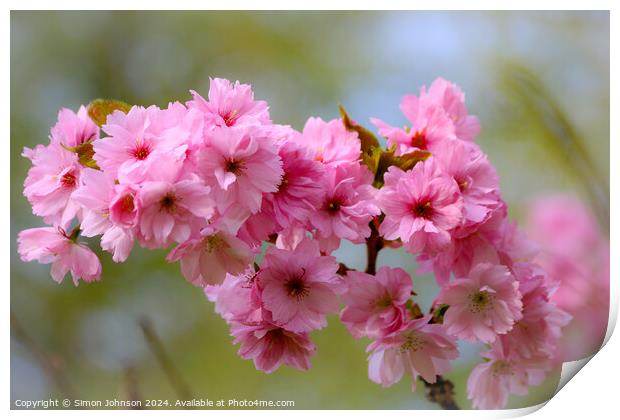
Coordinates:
253 211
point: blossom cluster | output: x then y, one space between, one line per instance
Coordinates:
215 180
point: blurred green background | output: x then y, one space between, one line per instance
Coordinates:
539 82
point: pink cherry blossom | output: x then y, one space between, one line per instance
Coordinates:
172 211
299 287
108 209
207 258
376 304
430 125
299 193
417 349
485 303
256 228
241 165
348 204
53 245
331 142
73 129
476 178
490 384
538 332
237 298
422 206
452 99
136 144
271 346
230 105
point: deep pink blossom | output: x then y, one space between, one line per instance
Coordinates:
417 349
485 303
299 193
348 204
376 304
271 346
53 245
422 206
230 105
299 287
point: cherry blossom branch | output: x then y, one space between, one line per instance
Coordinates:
374 244
165 362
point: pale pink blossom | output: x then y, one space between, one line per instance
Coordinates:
207 258
430 126
452 99
490 384
417 349
538 332
240 165
422 206
54 176
376 304
348 204
476 178
299 287
330 141
64 252
73 130
138 141
230 105
575 254
237 298
109 209
482 305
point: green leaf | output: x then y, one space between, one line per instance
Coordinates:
367 138
405 162
438 313
99 109
85 154
409 160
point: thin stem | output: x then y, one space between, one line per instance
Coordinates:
374 244
165 362
52 365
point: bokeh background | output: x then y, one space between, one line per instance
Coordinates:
539 82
